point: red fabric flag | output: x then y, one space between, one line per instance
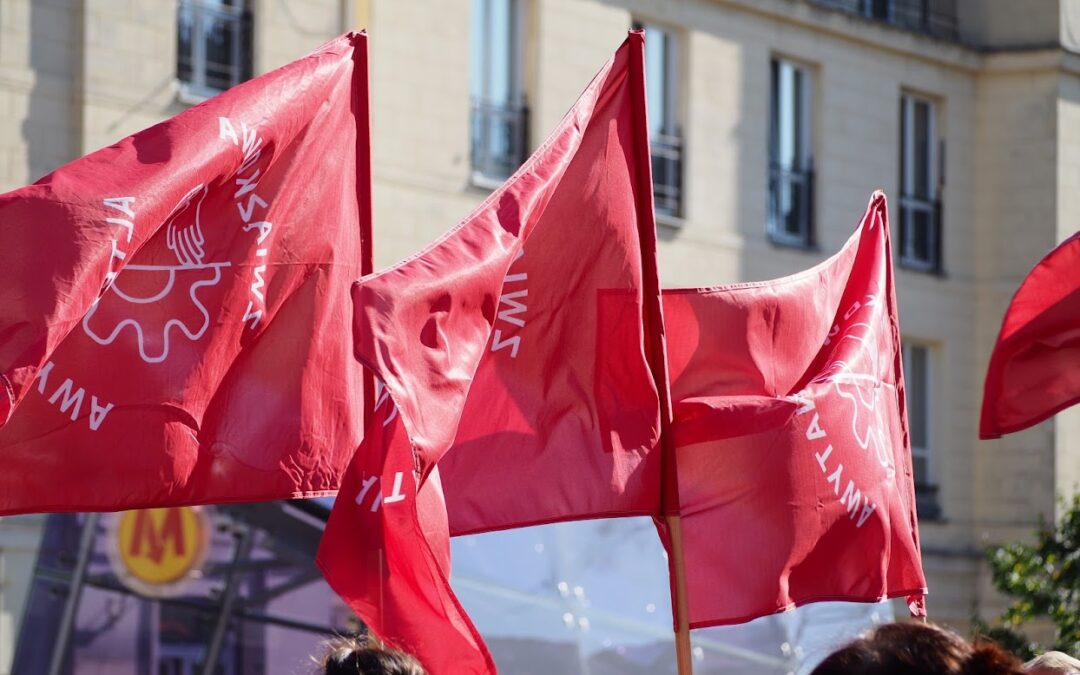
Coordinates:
541 290
794 470
1033 370
173 308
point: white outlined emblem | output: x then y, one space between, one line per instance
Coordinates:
184 238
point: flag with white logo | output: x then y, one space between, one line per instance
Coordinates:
794 465
529 317
174 309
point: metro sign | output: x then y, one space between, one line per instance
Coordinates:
156 552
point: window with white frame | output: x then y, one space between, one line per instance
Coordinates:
791 176
920 186
213 46
918 380
662 96
499 116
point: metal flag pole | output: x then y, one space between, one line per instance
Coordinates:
244 541
71 604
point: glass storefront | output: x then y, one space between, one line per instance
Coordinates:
160 591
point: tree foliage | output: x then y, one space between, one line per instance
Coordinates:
1043 580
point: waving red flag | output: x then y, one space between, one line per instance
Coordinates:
794 467
535 284
173 308
1033 370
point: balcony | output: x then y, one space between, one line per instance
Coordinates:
499 141
667 152
791 206
936 18
213 47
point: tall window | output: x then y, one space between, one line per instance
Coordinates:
662 95
917 378
920 186
499 115
791 176
213 46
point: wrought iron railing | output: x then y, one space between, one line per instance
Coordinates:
920 234
499 139
213 46
667 161
791 205
931 17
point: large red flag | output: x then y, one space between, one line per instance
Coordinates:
794 471
538 283
174 309
1033 370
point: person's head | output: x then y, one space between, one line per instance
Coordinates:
897 648
1053 663
366 656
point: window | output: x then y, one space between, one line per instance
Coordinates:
499 116
662 94
791 176
213 46
917 378
877 9
939 18
920 203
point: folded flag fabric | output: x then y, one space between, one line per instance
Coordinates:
527 317
1033 370
793 460
175 311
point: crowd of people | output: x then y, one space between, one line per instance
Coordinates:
892 649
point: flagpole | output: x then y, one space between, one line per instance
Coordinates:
683 650
655 344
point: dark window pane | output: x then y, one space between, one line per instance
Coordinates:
879 9
917 387
920 467
921 235
921 150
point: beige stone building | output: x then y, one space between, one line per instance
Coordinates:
772 122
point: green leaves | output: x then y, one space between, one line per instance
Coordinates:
1043 578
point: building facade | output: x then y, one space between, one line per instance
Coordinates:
771 120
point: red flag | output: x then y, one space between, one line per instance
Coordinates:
538 283
794 469
173 307
1033 370
562 419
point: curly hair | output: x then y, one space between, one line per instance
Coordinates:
918 648
365 655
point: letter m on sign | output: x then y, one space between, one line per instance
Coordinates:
152 534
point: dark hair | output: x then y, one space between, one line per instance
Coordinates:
897 648
365 655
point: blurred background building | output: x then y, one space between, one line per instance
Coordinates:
772 121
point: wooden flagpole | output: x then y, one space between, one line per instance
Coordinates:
653 315
683 651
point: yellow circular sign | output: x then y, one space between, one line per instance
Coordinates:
155 550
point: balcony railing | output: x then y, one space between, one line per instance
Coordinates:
791 206
667 151
213 47
920 234
937 18
499 140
